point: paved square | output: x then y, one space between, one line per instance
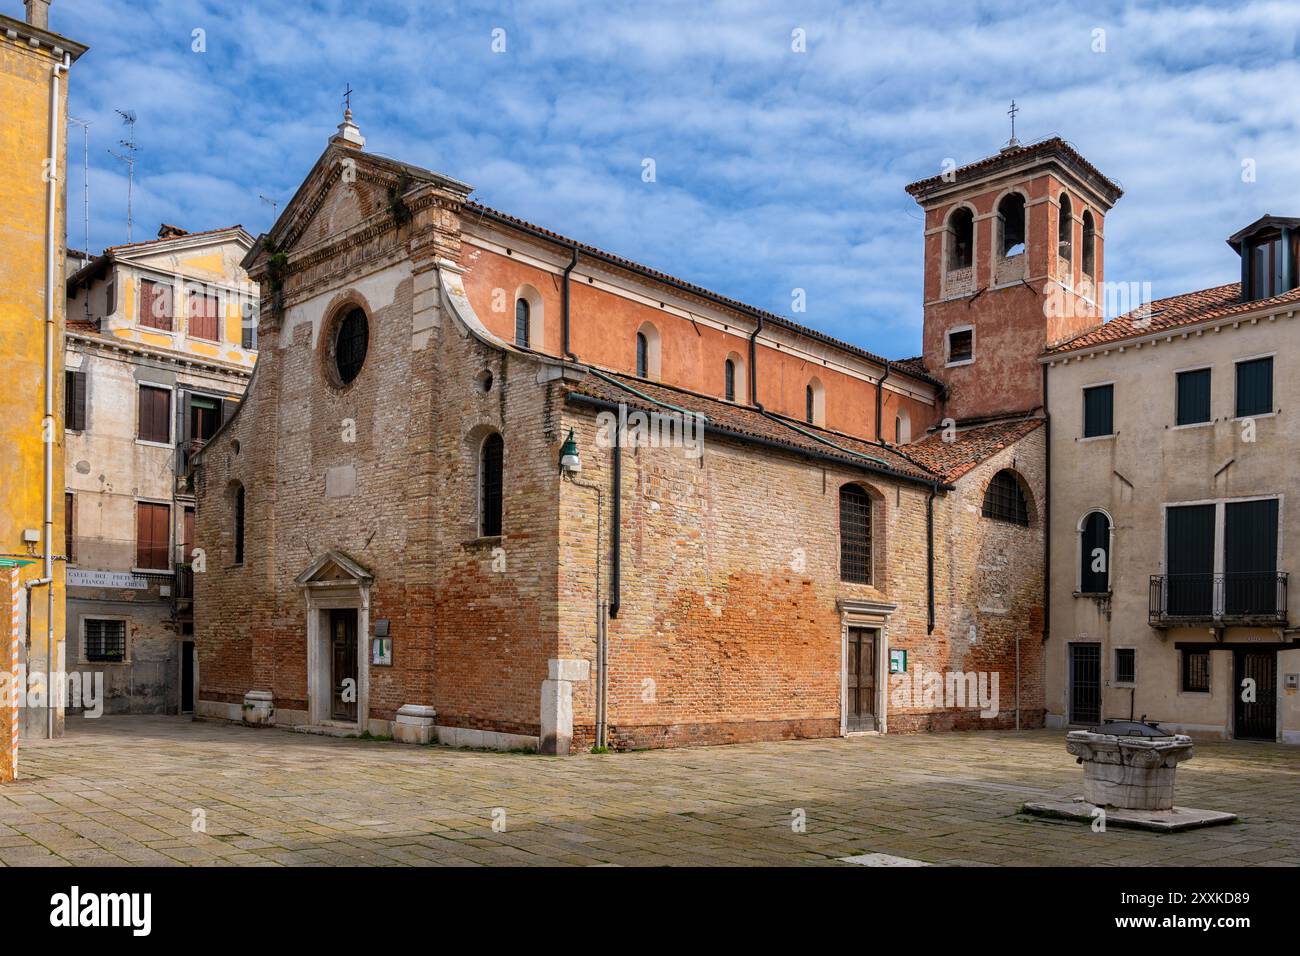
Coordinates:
128 790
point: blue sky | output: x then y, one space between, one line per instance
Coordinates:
774 169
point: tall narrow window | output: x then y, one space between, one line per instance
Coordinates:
1255 387
729 370
74 400
155 418
237 504
1193 397
69 522
1004 500
1065 229
1089 245
491 466
248 330
1267 257
961 239
642 356
152 536
810 405
521 322
156 305
855 535
1098 411
1094 554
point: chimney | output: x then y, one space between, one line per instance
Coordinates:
166 231
38 13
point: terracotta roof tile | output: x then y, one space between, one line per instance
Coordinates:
930 459
970 446
1174 312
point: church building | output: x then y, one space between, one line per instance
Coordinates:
495 487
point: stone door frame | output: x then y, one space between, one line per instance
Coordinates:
322 594
874 616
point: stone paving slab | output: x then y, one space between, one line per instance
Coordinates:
125 790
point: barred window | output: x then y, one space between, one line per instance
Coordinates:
521 322
855 535
105 640
1196 671
1004 500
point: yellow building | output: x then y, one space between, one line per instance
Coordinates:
33 88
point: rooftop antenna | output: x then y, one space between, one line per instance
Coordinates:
273 203
1013 143
85 173
128 117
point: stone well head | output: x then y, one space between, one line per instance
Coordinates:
1129 763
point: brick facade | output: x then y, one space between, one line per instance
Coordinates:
732 614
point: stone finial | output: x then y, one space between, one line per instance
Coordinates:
38 13
349 132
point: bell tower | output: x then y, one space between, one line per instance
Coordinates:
1013 263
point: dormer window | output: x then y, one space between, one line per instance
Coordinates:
1269 250
1266 266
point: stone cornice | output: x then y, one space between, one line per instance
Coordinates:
107 343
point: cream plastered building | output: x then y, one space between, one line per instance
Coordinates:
160 347
1175 513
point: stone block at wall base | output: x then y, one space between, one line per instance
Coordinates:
484 739
259 709
414 724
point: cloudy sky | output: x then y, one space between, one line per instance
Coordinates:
774 168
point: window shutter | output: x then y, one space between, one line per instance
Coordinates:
1193 397
155 414
74 400
1098 411
1255 387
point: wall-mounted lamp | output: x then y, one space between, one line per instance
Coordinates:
570 462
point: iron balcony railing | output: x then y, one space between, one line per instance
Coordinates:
1245 597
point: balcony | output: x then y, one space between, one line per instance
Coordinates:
1240 598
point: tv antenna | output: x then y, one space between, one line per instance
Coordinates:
128 117
85 173
273 203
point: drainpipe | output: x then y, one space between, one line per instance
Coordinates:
47 423
929 559
564 315
880 397
1047 514
753 366
616 532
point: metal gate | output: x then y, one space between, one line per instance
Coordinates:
1255 692
1085 683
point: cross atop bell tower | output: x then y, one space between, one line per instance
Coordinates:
1013 264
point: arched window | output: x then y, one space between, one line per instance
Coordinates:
1004 499
647 351
814 402
902 427
1094 553
237 509
1089 245
1011 225
1064 229
491 463
961 239
729 373
855 535
521 322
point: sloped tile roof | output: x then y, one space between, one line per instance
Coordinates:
970 446
1171 313
942 462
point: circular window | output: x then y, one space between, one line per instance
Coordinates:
350 345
